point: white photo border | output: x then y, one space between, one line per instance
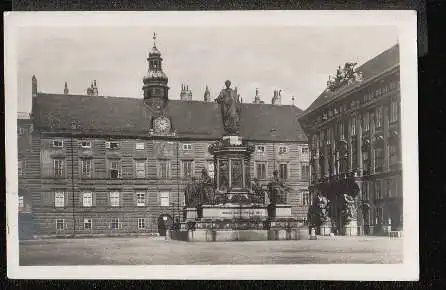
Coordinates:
406 23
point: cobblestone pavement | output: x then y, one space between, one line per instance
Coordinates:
157 251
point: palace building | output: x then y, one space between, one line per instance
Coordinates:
92 165
354 131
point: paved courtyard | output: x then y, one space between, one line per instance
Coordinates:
157 251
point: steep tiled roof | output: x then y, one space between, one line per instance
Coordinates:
370 69
190 119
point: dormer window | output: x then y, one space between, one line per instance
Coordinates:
112 145
57 143
86 144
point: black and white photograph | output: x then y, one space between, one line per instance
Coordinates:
212 145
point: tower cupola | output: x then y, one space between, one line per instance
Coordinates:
155 82
207 95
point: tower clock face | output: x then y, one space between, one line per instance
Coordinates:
162 125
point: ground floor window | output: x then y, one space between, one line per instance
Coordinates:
305 198
114 225
59 224
21 203
141 223
87 224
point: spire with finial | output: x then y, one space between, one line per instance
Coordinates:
34 86
65 90
154 39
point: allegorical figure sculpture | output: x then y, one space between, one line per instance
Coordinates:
230 109
322 205
349 208
192 193
206 187
277 190
259 193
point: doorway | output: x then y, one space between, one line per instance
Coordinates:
165 222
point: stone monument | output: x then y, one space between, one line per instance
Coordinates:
350 227
232 207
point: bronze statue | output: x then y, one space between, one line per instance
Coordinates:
259 193
277 190
230 109
206 187
192 193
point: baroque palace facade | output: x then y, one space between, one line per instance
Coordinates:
97 165
354 132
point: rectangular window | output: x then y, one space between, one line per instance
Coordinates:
87 199
20 168
393 154
57 143
114 199
19 131
164 198
329 135
141 223
140 167
211 168
283 149
283 171
58 166
112 145
21 203
341 131
139 146
261 170
379 159
59 199
305 171
378 190
86 144
86 167
140 199
365 162
353 126
379 117
115 168
260 149
59 224
164 169
87 224
366 124
393 111
305 150
305 198
365 192
187 147
187 168
114 224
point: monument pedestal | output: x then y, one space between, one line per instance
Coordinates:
279 211
325 229
190 214
350 228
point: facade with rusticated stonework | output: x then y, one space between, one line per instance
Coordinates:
118 166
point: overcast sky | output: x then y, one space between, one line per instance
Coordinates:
297 60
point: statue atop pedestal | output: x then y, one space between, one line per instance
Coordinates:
229 102
349 208
277 190
192 194
206 187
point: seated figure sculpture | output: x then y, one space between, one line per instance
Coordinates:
206 187
277 190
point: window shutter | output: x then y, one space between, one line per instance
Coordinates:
81 198
121 198
66 201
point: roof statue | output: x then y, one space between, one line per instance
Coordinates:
230 109
344 76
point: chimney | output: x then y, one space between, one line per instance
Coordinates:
185 94
34 86
65 90
95 89
207 94
257 97
292 99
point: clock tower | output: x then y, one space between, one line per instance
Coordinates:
155 82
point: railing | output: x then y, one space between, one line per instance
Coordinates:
23 115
